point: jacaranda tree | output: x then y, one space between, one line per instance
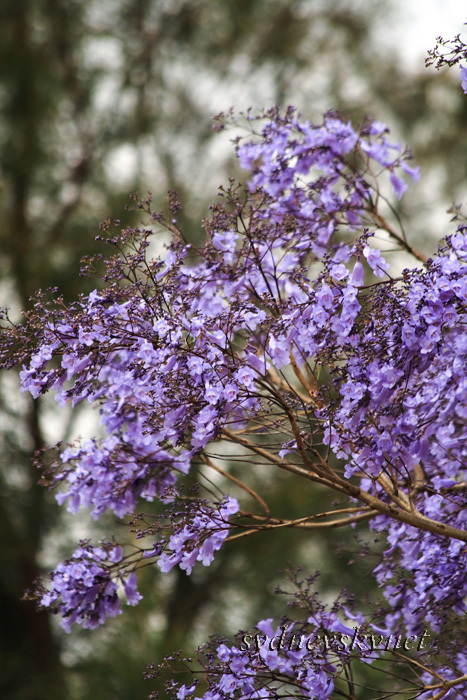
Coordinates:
286 342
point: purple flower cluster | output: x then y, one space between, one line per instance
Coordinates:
82 590
240 672
285 336
302 658
406 398
198 536
160 381
304 170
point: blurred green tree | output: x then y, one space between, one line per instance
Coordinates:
101 98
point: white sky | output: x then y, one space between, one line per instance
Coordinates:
418 23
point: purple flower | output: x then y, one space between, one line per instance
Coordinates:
183 691
375 260
82 589
230 391
131 592
339 272
212 393
225 241
358 275
245 376
413 172
398 184
463 71
324 296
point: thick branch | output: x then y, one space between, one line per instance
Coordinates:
336 483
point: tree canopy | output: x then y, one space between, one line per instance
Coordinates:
284 346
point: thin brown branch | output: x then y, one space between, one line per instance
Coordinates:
302 524
415 662
312 389
238 482
382 223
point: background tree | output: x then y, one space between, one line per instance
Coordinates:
85 87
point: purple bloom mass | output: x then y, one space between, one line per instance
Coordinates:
285 340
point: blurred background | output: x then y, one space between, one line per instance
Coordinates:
102 98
